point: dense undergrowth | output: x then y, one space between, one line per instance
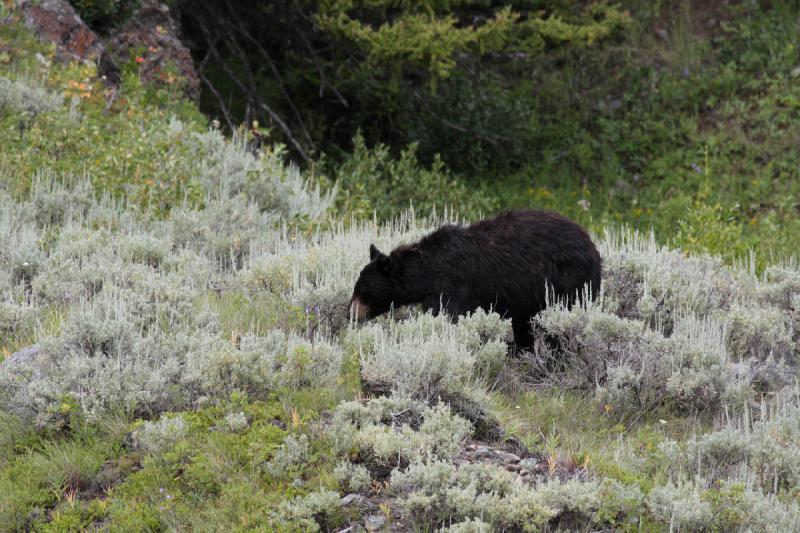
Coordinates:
190 364
149 403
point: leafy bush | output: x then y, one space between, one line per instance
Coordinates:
374 181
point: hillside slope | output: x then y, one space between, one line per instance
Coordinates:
176 353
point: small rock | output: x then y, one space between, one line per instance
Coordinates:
510 458
350 499
278 423
25 355
513 467
350 529
486 455
374 522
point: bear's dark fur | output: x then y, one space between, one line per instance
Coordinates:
502 263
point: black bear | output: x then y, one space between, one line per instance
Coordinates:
507 264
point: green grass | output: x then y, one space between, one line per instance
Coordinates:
210 479
571 429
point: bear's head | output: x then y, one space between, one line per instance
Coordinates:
375 290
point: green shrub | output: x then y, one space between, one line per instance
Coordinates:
373 181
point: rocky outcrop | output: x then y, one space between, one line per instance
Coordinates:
57 22
153 32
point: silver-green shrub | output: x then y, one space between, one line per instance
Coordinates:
439 492
309 511
427 354
759 334
161 435
652 283
262 363
759 449
636 368
226 168
236 422
54 204
389 431
15 318
28 97
294 451
353 478
470 525
680 506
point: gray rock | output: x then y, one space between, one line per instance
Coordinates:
355 528
351 499
509 458
374 522
25 356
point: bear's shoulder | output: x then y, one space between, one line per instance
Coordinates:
444 235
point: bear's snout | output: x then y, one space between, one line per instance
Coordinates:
358 309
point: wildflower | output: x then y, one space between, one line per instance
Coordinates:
584 204
139 59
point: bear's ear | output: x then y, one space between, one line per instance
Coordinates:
374 252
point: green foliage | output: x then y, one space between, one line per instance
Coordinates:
431 36
336 67
684 128
373 181
56 471
105 15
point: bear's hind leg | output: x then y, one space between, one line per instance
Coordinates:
523 337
